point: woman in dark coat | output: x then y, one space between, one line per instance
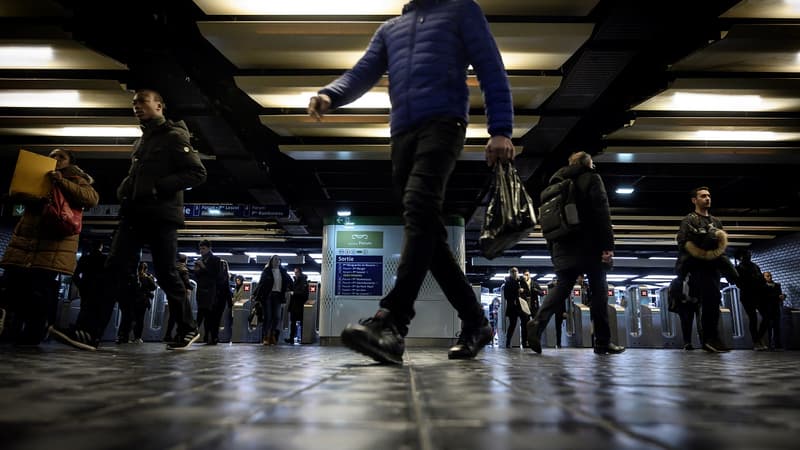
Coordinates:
36 255
271 292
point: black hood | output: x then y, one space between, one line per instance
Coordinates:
572 171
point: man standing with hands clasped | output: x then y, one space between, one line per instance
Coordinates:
426 52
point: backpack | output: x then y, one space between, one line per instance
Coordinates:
558 215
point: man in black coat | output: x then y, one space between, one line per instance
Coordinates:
163 165
588 249
207 275
515 290
296 302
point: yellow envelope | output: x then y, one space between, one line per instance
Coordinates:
30 175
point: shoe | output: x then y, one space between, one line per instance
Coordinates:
376 337
121 340
714 348
609 349
212 342
2 319
289 341
688 347
265 341
75 338
471 340
760 348
137 341
185 342
534 341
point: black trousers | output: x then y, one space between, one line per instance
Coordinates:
598 310
121 264
422 161
687 313
140 307
31 296
512 327
295 315
704 285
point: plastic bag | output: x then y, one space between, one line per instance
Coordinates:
510 215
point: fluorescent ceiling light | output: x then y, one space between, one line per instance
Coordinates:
689 101
28 56
305 7
190 254
343 213
664 258
223 254
368 100
534 257
100 131
625 257
624 191
255 254
318 261
315 255
51 98
736 135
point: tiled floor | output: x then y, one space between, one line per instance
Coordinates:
308 397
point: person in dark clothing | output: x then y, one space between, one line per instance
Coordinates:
89 277
559 314
271 293
142 301
588 250
430 108
514 292
532 292
701 256
752 290
163 165
769 332
207 275
224 300
183 271
298 299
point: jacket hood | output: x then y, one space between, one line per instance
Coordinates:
76 172
708 255
572 171
413 4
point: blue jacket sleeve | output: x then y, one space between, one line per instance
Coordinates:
485 58
364 74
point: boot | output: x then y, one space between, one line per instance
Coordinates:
376 337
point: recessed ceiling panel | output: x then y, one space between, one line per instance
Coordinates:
52 54
725 94
82 151
362 152
70 126
698 155
386 7
765 9
749 48
368 126
709 129
43 93
31 8
293 92
338 45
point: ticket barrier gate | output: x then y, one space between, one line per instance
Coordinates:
616 323
241 331
671 322
740 323
643 319
579 326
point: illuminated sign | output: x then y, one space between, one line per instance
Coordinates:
576 292
312 287
359 239
643 293
610 292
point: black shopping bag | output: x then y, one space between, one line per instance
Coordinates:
510 215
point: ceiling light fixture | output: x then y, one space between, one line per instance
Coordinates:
27 56
624 190
343 213
40 99
736 135
689 101
100 131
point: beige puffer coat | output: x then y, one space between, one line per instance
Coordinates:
32 246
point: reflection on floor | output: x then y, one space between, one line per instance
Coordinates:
306 397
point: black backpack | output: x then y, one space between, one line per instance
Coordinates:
558 215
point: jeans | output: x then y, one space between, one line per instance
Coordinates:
121 265
422 161
598 310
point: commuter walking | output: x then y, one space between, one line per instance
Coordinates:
752 292
223 301
514 292
89 276
588 249
769 334
142 301
426 52
183 272
701 257
531 293
297 302
207 275
163 165
37 255
271 293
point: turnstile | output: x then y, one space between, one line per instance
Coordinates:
241 331
740 323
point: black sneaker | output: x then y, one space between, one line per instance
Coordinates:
609 349
534 342
75 338
688 347
376 337
471 341
184 342
714 348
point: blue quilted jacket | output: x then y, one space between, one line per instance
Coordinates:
426 51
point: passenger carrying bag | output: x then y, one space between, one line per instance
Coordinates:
59 217
558 215
510 214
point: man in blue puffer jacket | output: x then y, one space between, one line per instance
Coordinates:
426 52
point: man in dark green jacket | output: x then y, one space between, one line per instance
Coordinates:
163 165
